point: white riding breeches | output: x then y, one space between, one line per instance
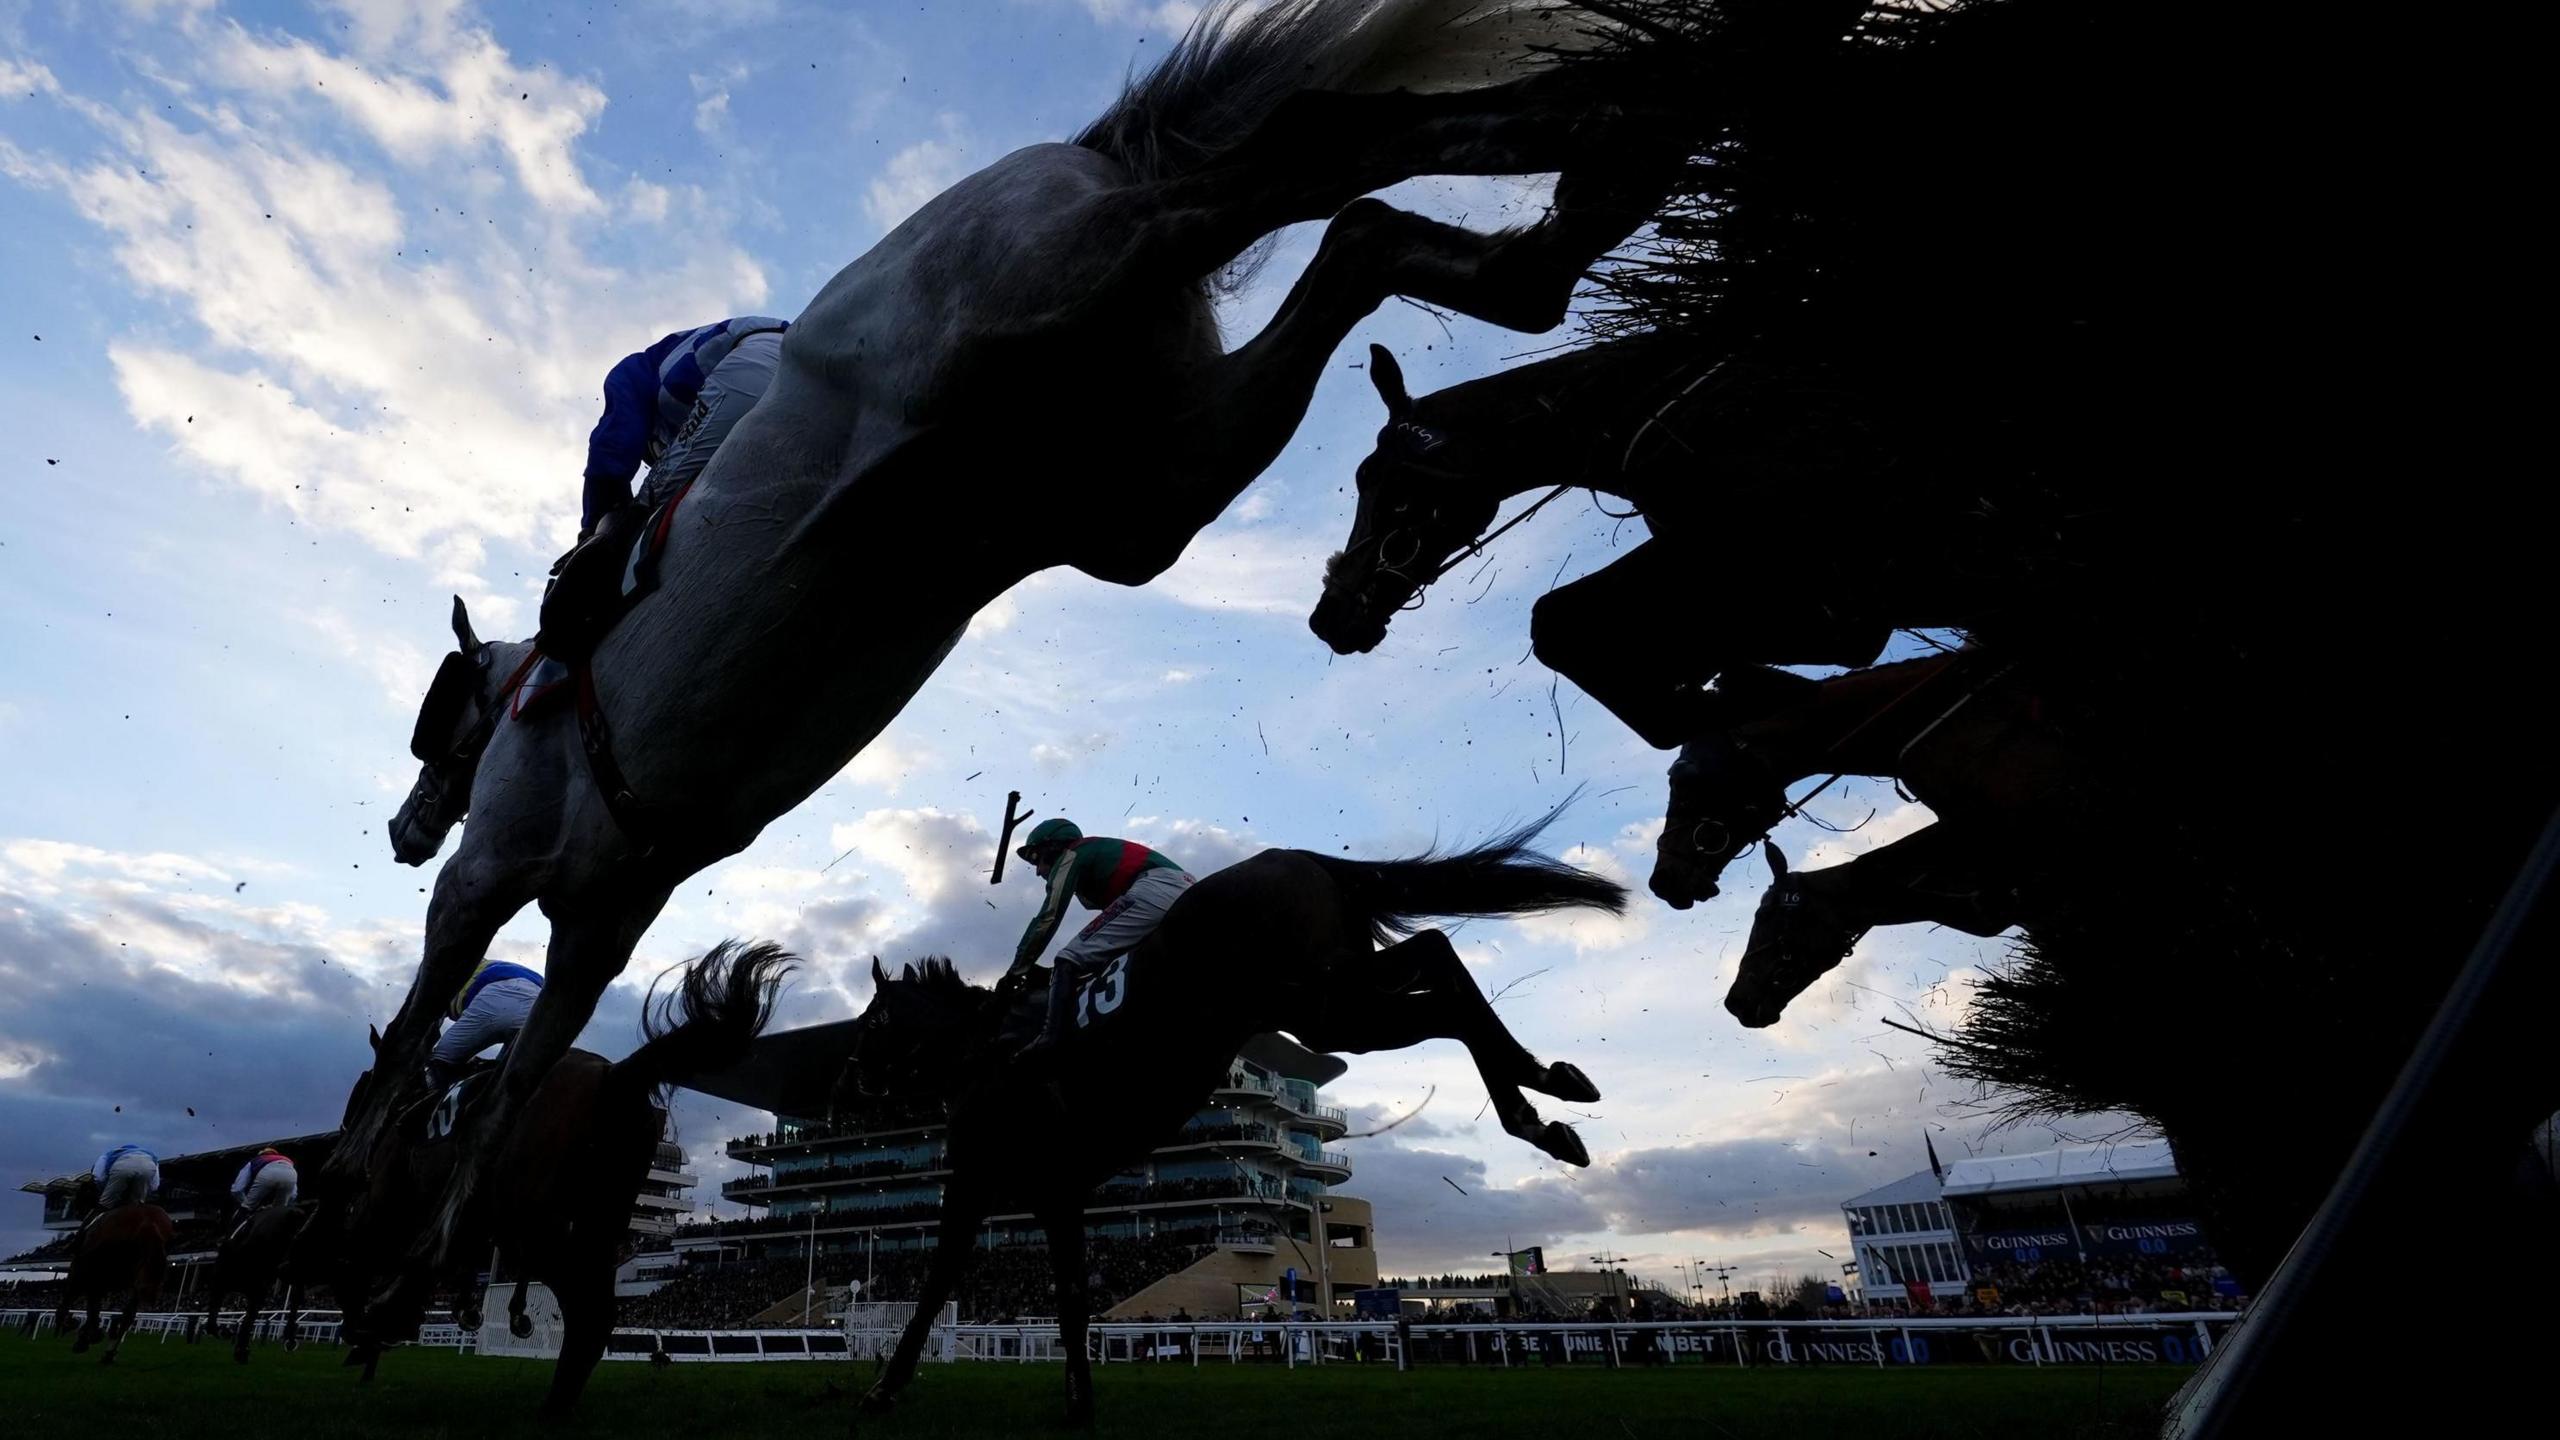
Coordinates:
492 1018
130 1180
277 1184
731 390
1124 922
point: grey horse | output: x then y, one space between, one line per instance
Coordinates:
1048 315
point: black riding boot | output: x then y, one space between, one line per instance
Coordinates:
1062 1004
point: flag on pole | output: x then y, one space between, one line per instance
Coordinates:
1934 1167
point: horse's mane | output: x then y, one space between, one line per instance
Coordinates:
941 978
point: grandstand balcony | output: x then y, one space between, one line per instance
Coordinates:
1330 1166
765 1189
791 1142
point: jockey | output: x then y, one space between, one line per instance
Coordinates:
488 1011
126 1175
671 405
268 1179
1130 884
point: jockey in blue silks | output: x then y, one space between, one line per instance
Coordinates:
671 405
126 1175
490 1009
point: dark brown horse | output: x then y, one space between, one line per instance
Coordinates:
268 1246
1962 732
1285 940
124 1250
560 1199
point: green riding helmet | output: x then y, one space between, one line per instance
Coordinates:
1056 831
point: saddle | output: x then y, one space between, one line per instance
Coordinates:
438 1114
596 584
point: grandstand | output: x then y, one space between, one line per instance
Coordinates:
1237 1212
2104 1228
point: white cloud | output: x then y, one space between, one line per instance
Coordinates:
1055 757
1253 571
417 373
1588 931
447 90
1170 17
644 201
22 79
918 173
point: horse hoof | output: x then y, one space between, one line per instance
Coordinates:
292 1343
1558 1139
520 1326
1567 1082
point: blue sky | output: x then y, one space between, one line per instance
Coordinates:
325 293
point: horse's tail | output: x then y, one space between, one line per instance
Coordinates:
1242 58
1502 876
711 1017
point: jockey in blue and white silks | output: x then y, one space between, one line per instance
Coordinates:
672 404
489 1011
126 1175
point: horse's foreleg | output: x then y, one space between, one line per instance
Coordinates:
1065 1224
588 949
952 1241
251 1307
473 898
291 1338
90 1332
123 1325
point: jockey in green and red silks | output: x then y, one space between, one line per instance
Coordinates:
1131 885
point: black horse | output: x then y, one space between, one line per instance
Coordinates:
266 1247
560 1201
1287 940
1775 365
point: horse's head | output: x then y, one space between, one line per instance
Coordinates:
453 722
1721 801
1419 505
1795 940
915 1035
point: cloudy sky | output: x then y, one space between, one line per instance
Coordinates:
307 307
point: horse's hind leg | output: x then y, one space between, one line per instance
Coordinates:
1447 1004
90 1334
584 1289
